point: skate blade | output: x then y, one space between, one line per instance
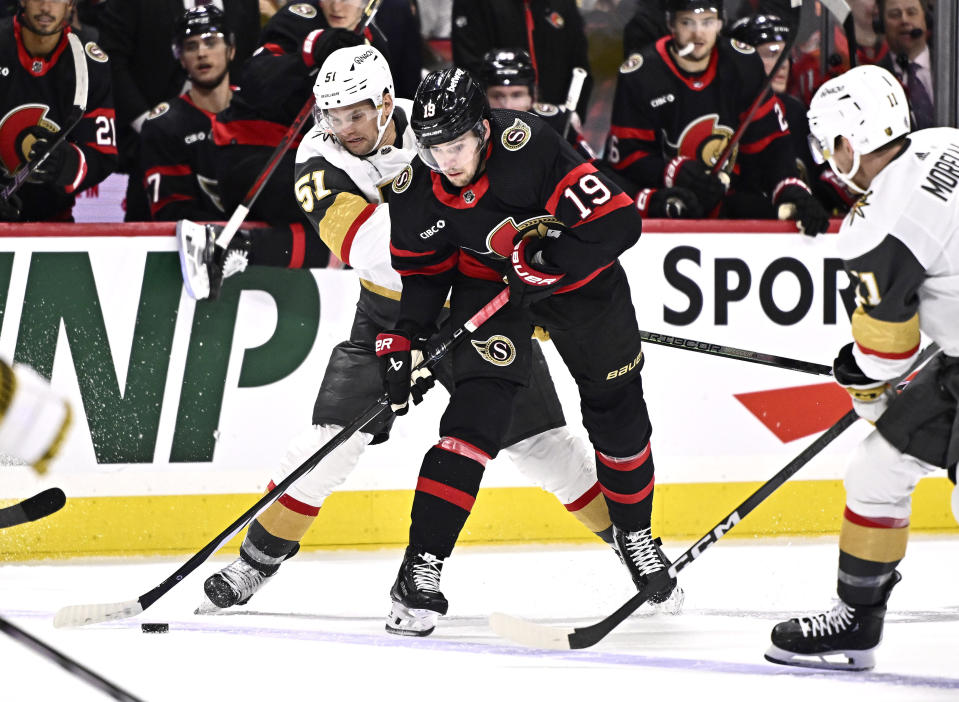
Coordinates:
834 660
207 607
411 622
196 279
673 604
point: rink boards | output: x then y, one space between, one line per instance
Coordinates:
183 408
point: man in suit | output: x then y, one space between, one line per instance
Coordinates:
905 24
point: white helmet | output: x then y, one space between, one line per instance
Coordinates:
350 76
866 105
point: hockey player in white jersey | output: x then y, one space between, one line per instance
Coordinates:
34 419
900 243
360 142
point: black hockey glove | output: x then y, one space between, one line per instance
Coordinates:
399 353
870 398
531 278
811 217
331 39
60 166
684 172
672 203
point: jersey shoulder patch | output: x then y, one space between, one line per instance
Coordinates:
517 135
545 109
742 47
160 109
303 10
633 63
95 52
403 180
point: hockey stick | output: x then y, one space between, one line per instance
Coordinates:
80 91
737 136
572 96
562 638
243 209
41 505
843 13
765 359
80 615
65 662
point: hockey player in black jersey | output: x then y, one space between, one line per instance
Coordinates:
176 150
678 103
344 168
510 81
37 88
494 194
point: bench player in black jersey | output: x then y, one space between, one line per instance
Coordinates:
37 87
678 103
494 194
176 150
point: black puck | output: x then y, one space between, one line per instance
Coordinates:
155 628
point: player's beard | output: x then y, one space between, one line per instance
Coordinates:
212 83
57 28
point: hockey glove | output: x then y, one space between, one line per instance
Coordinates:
9 209
870 398
399 354
811 217
329 40
672 203
531 278
61 165
684 172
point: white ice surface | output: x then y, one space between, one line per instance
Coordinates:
316 631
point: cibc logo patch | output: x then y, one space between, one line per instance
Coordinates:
498 350
516 136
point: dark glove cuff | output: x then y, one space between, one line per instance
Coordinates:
790 190
846 371
533 270
671 172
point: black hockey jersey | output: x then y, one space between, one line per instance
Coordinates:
531 178
278 79
39 91
660 112
177 160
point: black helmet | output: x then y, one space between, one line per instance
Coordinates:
673 6
447 104
756 30
203 19
507 67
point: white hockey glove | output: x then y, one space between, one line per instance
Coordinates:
34 420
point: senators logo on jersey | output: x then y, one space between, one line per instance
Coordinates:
498 350
16 140
505 235
705 139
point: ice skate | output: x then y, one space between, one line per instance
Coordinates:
643 557
233 585
417 600
203 264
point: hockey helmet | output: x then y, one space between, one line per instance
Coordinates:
200 21
757 30
508 67
674 6
349 76
866 105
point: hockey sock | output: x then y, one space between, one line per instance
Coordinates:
287 246
264 551
288 518
870 548
591 510
445 492
627 484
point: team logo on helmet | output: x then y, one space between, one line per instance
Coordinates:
15 138
403 180
303 10
516 136
742 47
704 140
633 63
498 350
556 19
95 52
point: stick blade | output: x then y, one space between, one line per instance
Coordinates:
45 503
531 634
82 615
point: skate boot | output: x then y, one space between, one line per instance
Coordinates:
204 265
643 558
234 585
844 638
417 600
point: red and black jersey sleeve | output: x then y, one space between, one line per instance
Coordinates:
600 218
885 325
95 137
